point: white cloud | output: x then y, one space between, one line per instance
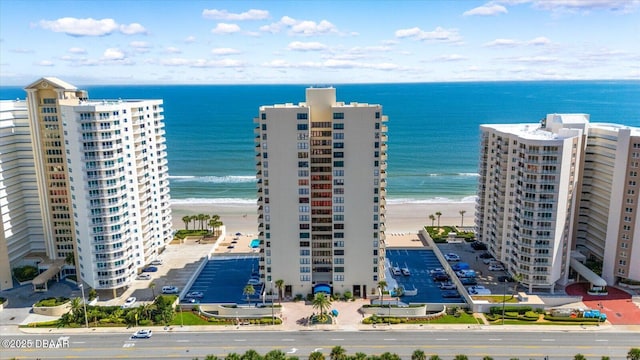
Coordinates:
438 34
451 57
190 39
225 51
202 63
502 43
300 27
587 5
487 9
540 40
252 14
224 28
45 63
306 46
77 50
132 29
331 64
113 54
533 59
172 50
175 62
22 51
80 27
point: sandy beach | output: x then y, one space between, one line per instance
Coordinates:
407 217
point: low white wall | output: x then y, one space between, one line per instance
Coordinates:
244 312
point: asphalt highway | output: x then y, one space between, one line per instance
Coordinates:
189 345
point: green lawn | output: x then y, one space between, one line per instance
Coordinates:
188 318
495 299
463 318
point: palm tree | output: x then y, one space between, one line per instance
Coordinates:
205 220
359 356
152 286
579 357
249 290
210 357
432 218
322 303
462 212
251 355
487 357
418 355
279 286
76 310
461 357
435 357
70 259
215 223
316 355
517 278
338 353
187 220
232 356
193 218
382 285
389 356
438 214
633 354
200 218
275 355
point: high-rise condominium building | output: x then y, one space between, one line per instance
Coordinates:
608 217
20 221
527 195
102 175
559 192
321 169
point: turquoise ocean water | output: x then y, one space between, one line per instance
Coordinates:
433 128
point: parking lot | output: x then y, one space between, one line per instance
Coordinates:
485 277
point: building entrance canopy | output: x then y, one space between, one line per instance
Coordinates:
597 283
322 288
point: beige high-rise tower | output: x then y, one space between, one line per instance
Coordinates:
321 169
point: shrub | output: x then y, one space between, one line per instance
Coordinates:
518 309
25 273
52 301
570 319
2 300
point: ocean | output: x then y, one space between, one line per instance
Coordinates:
433 128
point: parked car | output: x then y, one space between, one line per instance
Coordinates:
505 278
150 269
450 294
157 262
460 266
478 245
489 261
452 257
466 273
129 302
169 289
496 267
469 281
440 277
447 286
478 290
195 294
144 276
142 334
253 281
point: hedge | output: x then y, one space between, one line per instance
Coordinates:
571 319
521 310
52 301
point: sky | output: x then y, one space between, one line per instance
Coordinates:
317 42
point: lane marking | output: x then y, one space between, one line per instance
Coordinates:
389 339
288 340
239 339
442 339
495 339
547 339
337 339
184 340
602 340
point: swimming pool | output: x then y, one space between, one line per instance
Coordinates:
255 243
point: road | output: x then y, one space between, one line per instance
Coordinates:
189 345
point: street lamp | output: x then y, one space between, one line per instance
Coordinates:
84 304
181 320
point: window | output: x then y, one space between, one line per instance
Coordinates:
338 116
303 126
338 126
304 235
338 145
338 136
302 116
263 116
338 154
338 163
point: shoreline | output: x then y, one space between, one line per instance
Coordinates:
400 216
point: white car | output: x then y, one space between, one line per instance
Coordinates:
169 289
496 267
157 262
142 334
451 257
129 302
478 290
144 276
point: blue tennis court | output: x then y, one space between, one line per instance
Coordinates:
223 279
419 262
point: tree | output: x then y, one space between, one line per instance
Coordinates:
382 285
359 356
275 355
432 218
633 354
434 357
205 220
215 223
194 218
438 214
152 286
462 212
280 287
579 357
517 278
232 356
418 355
338 353
249 291
77 310
65 320
251 355
70 259
316 355
187 220
487 357
92 294
322 303
461 357
210 357
389 356
200 218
